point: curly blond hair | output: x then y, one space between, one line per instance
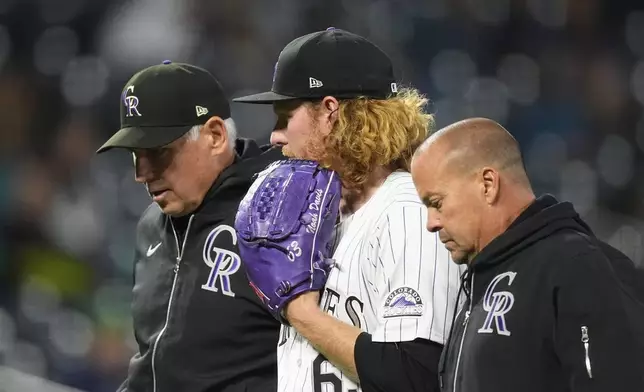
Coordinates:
372 133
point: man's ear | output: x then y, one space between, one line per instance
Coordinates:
491 182
329 107
330 104
215 132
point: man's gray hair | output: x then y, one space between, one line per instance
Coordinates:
231 130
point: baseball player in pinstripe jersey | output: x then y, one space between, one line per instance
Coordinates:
382 319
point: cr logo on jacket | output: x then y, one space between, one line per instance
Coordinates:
222 262
497 304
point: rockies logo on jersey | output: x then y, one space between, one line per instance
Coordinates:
403 301
222 262
497 304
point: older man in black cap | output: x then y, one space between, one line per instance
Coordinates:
198 324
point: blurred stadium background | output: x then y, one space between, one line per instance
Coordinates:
565 76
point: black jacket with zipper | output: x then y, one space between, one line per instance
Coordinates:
198 324
548 308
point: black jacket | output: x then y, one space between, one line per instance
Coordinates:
549 308
198 324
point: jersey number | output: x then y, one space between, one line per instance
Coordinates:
320 378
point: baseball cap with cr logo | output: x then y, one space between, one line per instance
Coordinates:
161 103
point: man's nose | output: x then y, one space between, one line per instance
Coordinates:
433 221
277 138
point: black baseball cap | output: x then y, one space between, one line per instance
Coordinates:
331 62
161 103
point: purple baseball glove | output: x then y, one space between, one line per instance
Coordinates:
285 225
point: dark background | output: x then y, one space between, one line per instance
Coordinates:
566 77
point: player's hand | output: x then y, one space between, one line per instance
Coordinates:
285 225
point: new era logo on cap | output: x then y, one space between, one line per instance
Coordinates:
314 83
201 111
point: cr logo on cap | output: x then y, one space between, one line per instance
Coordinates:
131 102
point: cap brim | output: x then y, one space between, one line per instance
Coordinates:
144 137
264 98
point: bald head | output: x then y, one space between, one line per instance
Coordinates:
474 143
470 175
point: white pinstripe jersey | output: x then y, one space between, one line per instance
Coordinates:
393 279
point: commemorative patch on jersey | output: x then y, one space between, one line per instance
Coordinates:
403 302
